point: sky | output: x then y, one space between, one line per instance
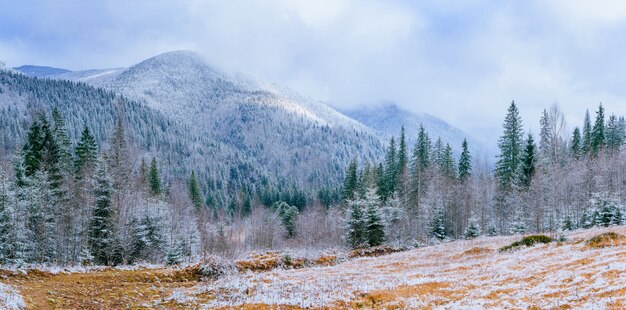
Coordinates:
462 61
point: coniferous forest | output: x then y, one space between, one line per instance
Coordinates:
83 194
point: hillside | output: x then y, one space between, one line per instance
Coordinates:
388 118
288 138
576 273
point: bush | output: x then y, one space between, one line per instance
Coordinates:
527 241
214 268
606 240
375 251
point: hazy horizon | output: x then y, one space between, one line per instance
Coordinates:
463 63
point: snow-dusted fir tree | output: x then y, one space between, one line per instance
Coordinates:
102 226
373 219
566 224
174 254
518 225
438 228
356 234
7 227
288 215
472 230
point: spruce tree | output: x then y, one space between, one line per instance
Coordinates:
287 215
402 164
576 144
510 145
448 166
438 227
194 191
465 162
586 135
357 226
390 175
351 182
526 168
155 180
598 132
86 152
613 135
7 227
472 230
373 219
102 228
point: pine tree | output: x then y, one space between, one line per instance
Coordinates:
438 227
390 175
7 227
357 226
175 254
465 162
351 182
101 227
86 153
510 145
526 168
576 144
472 230
586 135
448 166
567 224
287 215
402 164
614 138
518 226
598 133
374 225
194 191
155 180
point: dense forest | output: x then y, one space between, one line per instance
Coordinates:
120 190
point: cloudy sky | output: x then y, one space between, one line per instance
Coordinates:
463 61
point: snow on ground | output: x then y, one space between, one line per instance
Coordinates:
460 275
10 299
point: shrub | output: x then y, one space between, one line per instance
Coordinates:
606 240
375 251
527 241
214 268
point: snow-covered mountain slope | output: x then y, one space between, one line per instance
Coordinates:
388 118
234 120
40 71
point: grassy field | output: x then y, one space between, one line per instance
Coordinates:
586 271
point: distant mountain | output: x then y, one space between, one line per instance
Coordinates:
388 119
40 71
234 131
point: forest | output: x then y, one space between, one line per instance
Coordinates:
65 202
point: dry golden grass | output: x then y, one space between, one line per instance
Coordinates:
606 240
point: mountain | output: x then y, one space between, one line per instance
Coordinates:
40 71
235 132
388 119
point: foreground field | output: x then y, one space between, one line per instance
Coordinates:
465 274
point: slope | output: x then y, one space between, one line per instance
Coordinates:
388 119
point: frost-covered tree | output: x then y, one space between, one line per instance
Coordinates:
287 215
472 230
356 235
102 226
598 138
438 227
373 219
518 225
155 179
510 144
465 162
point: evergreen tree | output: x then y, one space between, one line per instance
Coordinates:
472 230
510 145
614 136
63 140
465 162
155 180
7 227
518 226
576 144
101 227
389 180
351 182
357 226
375 228
526 168
287 215
86 153
402 164
194 191
586 136
598 133
448 166
438 227
567 224
246 207
175 254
